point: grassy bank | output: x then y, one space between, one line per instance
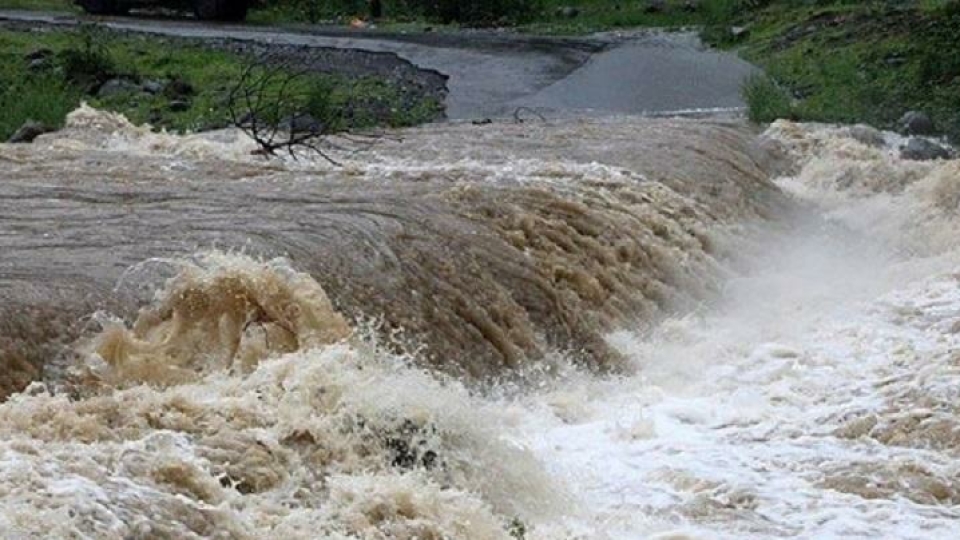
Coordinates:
535 16
865 61
172 86
826 60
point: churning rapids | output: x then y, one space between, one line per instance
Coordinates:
610 328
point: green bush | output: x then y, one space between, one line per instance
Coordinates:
766 101
345 104
44 99
88 64
939 46
484 12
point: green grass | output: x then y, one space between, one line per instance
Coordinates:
858 61
47 95
41 5
766 101
603 15
467 12
41 99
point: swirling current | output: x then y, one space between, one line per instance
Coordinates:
607 328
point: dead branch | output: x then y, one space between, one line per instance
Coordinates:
270 103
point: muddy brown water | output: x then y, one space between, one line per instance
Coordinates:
489 246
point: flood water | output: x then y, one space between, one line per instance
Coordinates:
608 328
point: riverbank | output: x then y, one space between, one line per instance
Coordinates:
837 62
852 62
184 85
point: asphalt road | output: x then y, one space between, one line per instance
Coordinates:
492 74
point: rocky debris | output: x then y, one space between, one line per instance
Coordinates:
152 87
867 135
114 87
302 123
38 54
918 149
739 32
568 12
894 60
39 59
247 119
917 123
416 84
28 132
178 89
655 6
178 105
40 64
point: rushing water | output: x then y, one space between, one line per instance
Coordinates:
589 329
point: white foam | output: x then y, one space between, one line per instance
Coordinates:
743 419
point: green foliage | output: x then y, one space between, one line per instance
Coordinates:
721 12
81 61
45 99
88 64
50 5
939 46
602 15
466 12
766 101
343 104
847 61
338 103
483 12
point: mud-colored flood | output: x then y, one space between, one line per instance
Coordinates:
607 328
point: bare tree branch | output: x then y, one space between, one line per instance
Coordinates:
270 103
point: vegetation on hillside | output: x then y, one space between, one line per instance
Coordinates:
849 61
43 76
465 12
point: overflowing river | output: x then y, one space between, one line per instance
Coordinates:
610 328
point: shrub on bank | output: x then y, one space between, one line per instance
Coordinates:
482 12
42 99
766 100
849 62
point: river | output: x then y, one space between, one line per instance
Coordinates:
617 327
